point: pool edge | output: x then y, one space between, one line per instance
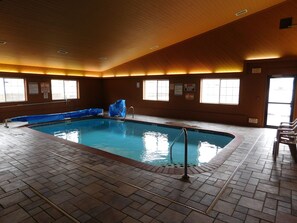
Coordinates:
213 164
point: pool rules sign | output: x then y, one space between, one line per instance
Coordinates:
45 89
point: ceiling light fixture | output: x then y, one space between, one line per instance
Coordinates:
155 73
92 75
137 74
102 58
2 42
56 73
176 73
264 57
200 72
122 75
154 47
107 75
241 12
62 52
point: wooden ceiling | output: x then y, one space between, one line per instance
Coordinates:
102 36
223 50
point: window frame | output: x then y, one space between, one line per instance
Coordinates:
64 90
219 93
157 93
5 90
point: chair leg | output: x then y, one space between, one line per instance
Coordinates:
275 149
293 149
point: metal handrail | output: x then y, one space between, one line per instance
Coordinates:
174 141
184 131
131 107
185 177
6 123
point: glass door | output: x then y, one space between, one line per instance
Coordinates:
280 100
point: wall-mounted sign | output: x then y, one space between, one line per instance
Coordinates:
189 87
33 88
178 89
44 87
189 96
257 70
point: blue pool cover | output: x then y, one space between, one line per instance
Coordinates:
118 109
32 119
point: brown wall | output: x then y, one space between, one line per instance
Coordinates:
253 95
90 96
102 92
178 106
232 47
275 68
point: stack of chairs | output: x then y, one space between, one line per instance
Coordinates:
286 134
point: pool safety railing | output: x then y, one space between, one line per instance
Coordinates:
6 123
131 108
184 132
172 144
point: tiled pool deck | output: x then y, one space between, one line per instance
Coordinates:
46 180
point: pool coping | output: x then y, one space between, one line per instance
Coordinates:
213 164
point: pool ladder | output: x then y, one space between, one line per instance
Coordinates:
184 132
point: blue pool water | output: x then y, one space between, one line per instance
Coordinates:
146 143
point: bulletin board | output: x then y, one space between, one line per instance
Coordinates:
178 89
33 88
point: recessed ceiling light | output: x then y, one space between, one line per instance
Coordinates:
154 47
62 52
2 42
102 58
241 12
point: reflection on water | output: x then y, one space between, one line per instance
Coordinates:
72 135
207 151
143 142
155 146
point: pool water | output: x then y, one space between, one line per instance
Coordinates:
147 143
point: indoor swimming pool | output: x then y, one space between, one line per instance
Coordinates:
143 142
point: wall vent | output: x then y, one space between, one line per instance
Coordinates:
286 23
256 70
253 120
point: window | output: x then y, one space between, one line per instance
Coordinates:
220 91
12 89
156 90
64 89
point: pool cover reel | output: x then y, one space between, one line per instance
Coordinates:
31 119
118 109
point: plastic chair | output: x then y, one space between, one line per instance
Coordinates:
286 136
288 124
